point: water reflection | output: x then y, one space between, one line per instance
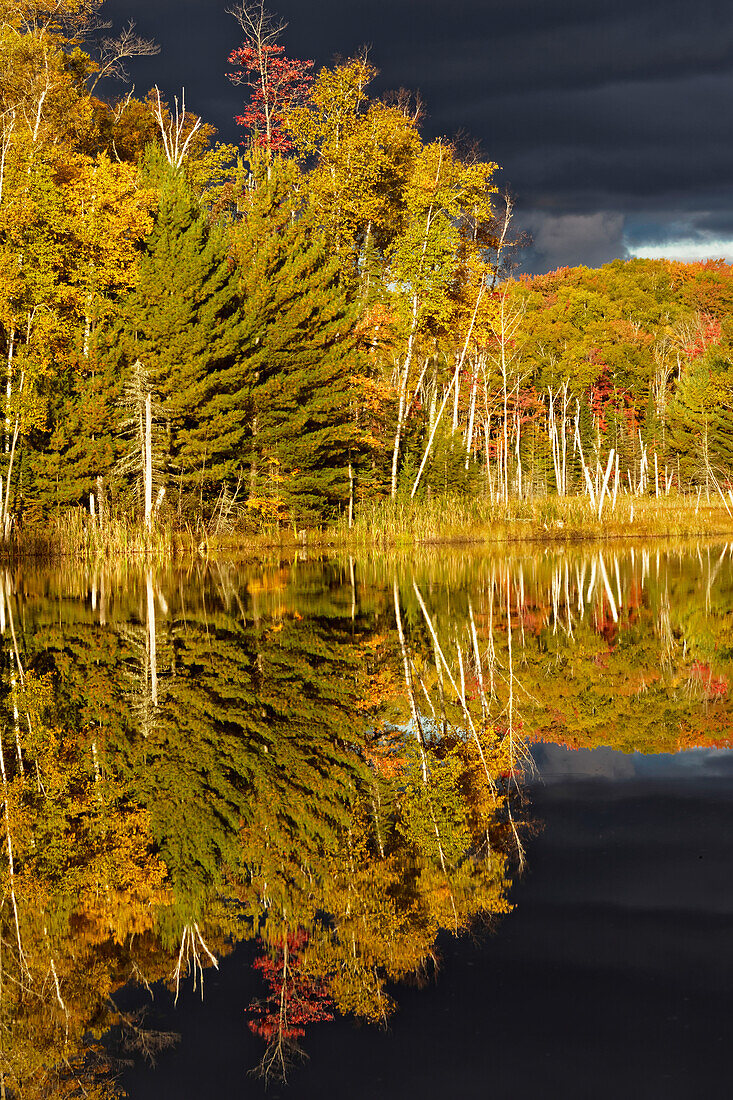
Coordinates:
323 758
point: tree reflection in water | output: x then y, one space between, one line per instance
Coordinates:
321 759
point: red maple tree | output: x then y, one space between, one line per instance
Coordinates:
294 999
277 84
706 331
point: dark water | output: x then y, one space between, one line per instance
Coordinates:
613 975
449 825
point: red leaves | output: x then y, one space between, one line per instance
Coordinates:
706 332
277 84
701 677
606 399
295 998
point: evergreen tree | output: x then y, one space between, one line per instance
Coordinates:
301 322
654 428
446 471
183 322
722 421
700 418
83 443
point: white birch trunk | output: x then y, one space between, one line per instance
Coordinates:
402 407
151 642
148 460
471 415
9 388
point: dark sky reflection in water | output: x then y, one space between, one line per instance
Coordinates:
612 976
310 768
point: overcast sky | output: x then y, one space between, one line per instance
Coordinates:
611 121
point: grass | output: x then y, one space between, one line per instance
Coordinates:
391 525
547 519
74 533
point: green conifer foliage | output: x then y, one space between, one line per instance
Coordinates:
722 418
654 433
183 322
534 450
700 419
83 443
723 428
301 323
446 471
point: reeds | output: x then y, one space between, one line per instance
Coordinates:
386 524
540 519
75 533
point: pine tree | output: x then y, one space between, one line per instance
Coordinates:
722 421
699 419
82 443
654 428
183 323
301 321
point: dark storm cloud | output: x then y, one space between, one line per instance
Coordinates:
619 140
582 56
605 117
565 240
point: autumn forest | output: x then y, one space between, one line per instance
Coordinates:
275 333
267 723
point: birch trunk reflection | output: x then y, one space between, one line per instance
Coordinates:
325 759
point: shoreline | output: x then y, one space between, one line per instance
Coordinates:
388 527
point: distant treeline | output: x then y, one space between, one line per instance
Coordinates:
324 316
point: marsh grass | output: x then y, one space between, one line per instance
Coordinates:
74 533
385 525
546 519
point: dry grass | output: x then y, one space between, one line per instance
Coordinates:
548 519
390 525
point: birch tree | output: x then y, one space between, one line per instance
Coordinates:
424 259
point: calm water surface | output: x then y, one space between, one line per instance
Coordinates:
446 824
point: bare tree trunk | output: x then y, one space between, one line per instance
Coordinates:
565 404
460 695
151 641
433 430
579 446
6 516
454 381
656 476
102 499
552 434
175 140
505 440
11 863
408 681
510 720
148 461
606 477
518 425
402 407
489 476
8 126
410 349
9 388
456 395
471 414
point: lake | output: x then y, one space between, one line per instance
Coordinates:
440 823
